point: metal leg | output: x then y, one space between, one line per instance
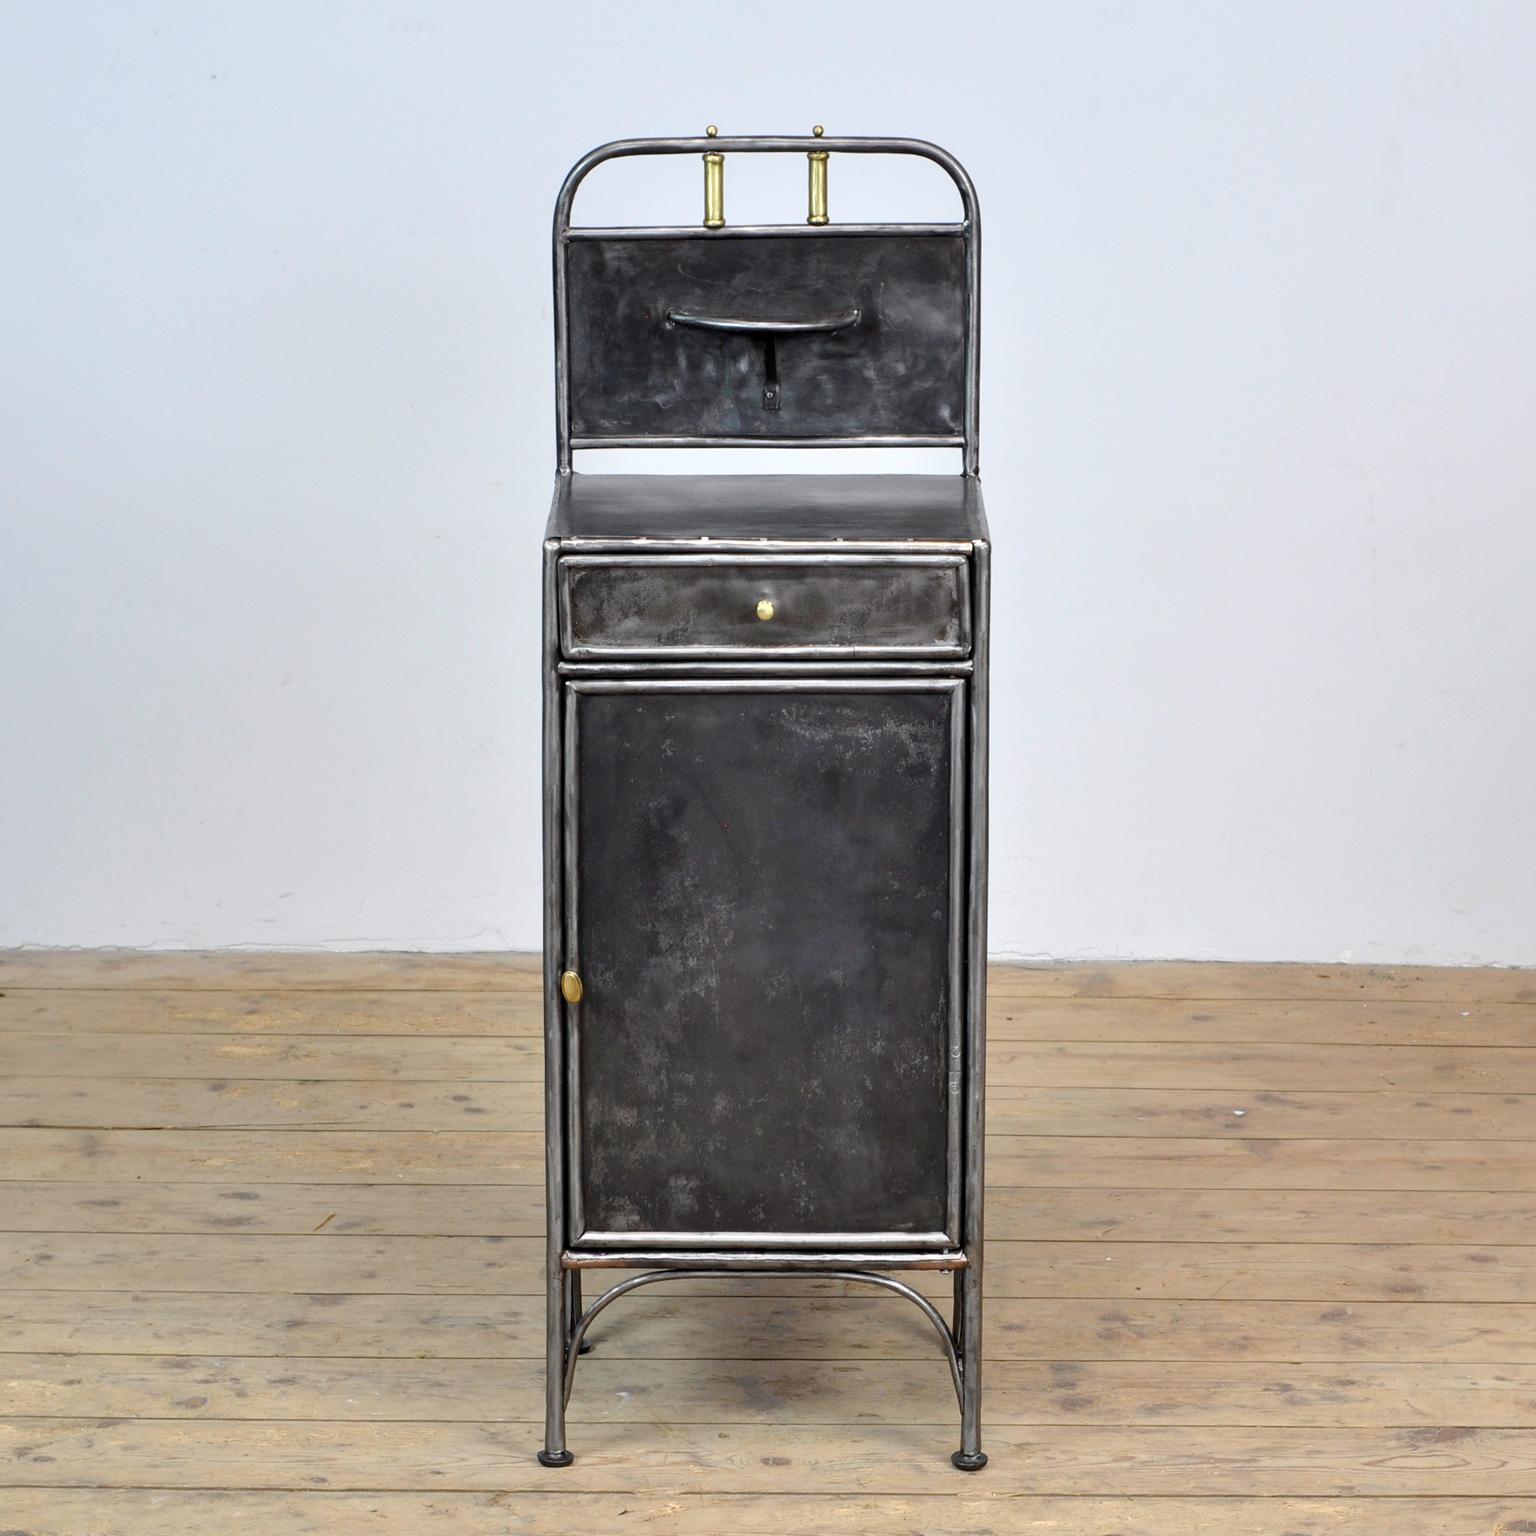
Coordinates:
970 1457
575 1328
557 1345
573 1309
569 1322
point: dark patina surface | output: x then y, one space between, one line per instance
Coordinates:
899 370
764 924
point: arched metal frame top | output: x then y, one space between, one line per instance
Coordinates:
621 149
751 144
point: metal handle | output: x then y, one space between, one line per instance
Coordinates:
740 325
768 332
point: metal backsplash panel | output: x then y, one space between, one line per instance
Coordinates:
894 366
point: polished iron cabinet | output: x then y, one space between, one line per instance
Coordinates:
765 754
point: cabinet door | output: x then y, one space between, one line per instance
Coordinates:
765 901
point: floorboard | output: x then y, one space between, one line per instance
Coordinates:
316 1512
1262 1258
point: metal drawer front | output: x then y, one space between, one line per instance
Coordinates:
734 605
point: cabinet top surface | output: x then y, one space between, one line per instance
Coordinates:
879 509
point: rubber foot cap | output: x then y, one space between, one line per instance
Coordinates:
969 1461
555 1458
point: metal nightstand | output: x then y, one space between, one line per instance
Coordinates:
765 750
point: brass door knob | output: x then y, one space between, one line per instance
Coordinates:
570 986
765 608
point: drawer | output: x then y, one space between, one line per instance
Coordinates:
790 605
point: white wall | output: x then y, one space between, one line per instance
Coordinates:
275 450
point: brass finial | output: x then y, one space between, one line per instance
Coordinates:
818 164
714 184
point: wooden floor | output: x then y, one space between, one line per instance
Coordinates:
1262 1263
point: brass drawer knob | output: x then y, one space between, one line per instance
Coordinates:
765 608
570 986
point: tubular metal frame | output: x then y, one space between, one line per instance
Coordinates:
847 1256
854 1256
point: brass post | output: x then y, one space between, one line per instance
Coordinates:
818 165
714 185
